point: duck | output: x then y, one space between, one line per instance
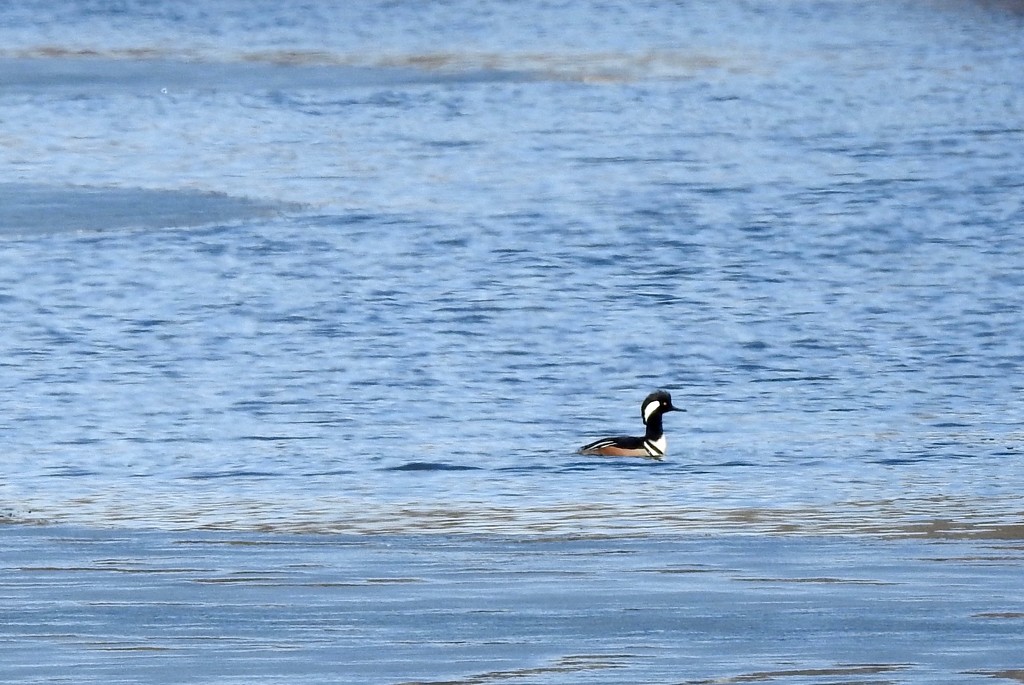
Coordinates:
653 444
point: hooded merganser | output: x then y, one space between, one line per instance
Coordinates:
652 445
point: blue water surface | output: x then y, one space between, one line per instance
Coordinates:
348 276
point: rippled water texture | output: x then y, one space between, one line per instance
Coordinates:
338 278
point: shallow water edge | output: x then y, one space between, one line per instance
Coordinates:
471 609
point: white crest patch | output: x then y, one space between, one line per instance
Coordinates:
649 409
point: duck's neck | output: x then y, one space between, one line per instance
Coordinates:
654 429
